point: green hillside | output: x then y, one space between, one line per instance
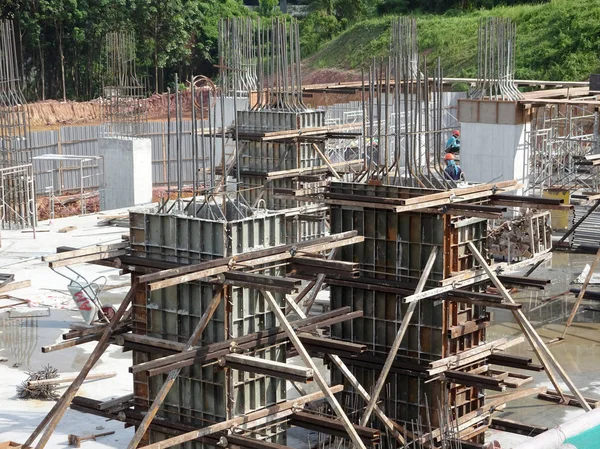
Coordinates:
559 40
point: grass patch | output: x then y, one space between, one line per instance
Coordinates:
559 40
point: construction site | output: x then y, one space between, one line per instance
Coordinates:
279 264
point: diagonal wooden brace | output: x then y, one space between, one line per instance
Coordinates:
49 423
398 340
170 381
318 377
538 345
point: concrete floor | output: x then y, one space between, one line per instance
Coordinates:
22 338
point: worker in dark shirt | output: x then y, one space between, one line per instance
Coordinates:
452 170
453 143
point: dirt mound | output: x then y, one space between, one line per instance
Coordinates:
53 114
329 76
66 206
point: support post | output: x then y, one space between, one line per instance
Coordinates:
170 381
535 340
584 287
398 340
335 405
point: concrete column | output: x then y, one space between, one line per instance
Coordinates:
128 172
493 141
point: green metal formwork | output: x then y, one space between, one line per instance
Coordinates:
276 156
396 248
199 397
259 158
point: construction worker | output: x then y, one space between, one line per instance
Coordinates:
452 170
453 143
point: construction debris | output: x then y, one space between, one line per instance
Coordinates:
47 391
524 237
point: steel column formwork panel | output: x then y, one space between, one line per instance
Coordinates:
203 395
396 249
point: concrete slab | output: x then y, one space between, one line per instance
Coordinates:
21 338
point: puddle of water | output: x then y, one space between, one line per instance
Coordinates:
578 354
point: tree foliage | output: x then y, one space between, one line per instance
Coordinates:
62 41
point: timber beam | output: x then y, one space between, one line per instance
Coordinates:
323 424
188 273
213 351
508 425
474 380
261 281
267 367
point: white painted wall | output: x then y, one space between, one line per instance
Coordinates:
490 152
128 172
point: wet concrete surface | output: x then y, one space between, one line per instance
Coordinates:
578 354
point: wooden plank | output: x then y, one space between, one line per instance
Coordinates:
49 423
262 366
107 405
476 380
12 286
339 166
64 380
508 425
513 380
531 205
84 252
537 343
224 267
327 161
245 257
468 327
88 258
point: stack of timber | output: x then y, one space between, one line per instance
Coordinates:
524 237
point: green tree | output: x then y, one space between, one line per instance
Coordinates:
316 29
268 8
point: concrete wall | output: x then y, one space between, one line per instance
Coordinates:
128 172
493 152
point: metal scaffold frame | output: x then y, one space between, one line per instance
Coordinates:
91 177
17 197
561 143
